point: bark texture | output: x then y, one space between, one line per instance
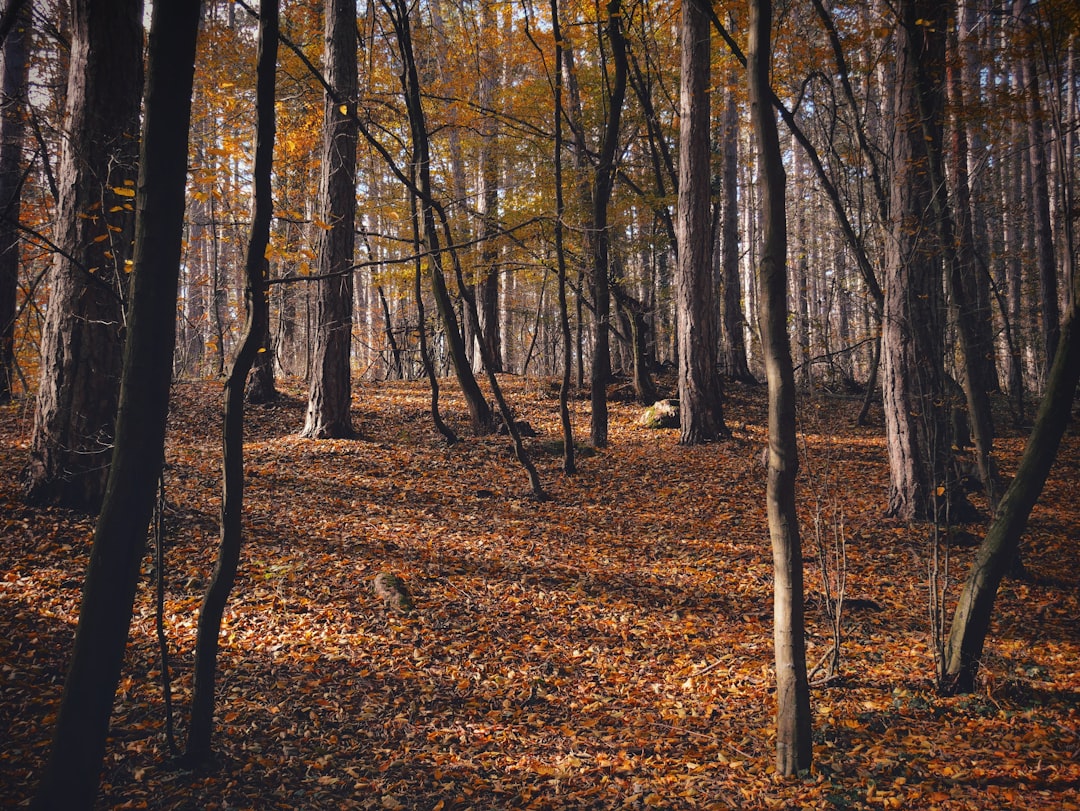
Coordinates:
330 389
794 752
700 394
84 327
913 376
69 781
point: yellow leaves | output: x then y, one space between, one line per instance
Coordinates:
123 191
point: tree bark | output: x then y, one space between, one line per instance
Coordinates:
794 751
200 732
330 390
971 620
913 376
599 236
701 408
82 340
12 127
69 781
733 361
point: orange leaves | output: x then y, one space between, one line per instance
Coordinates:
609 649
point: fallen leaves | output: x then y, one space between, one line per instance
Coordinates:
609 649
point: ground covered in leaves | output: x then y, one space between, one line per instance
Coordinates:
611 648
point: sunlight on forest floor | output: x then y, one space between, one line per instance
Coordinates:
609 649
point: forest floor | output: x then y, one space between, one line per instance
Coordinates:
611 648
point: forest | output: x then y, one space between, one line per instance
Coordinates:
498 404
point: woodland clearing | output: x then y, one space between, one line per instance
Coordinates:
611 648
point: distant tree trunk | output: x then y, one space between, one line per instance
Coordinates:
599 236
916 414
794 752
701 405
330 392
84 327
200 732
1049 312
480 415
487 287
261 387
971 621
69 781
733 361
12 127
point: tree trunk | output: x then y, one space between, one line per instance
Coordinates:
733 361
794 752
599 236
913 376
330 390
971 621
200 731
701 411
569 456
82 340
12 127
69 781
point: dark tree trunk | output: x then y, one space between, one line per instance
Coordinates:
84 327
971 621
12 127
330 392
701 411
200 731
733 361
569 457
913 376
599 236
69 781
794 751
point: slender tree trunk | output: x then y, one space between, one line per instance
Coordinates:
12 128
330 392
200 731
733 361
569 458
701 409
971 621
69 781
599 235
82 340
794 752
479 411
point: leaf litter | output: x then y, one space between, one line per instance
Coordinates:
609 649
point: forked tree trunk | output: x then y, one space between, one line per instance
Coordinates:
330 389
82 340
794 751
69 781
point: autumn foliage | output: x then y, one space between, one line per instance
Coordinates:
610 648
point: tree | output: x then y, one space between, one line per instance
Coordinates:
916 416
974 608
85 322
330 389
701 412
200 732
70 778
12 127
599 235
793 732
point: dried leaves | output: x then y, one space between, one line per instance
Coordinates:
611 648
